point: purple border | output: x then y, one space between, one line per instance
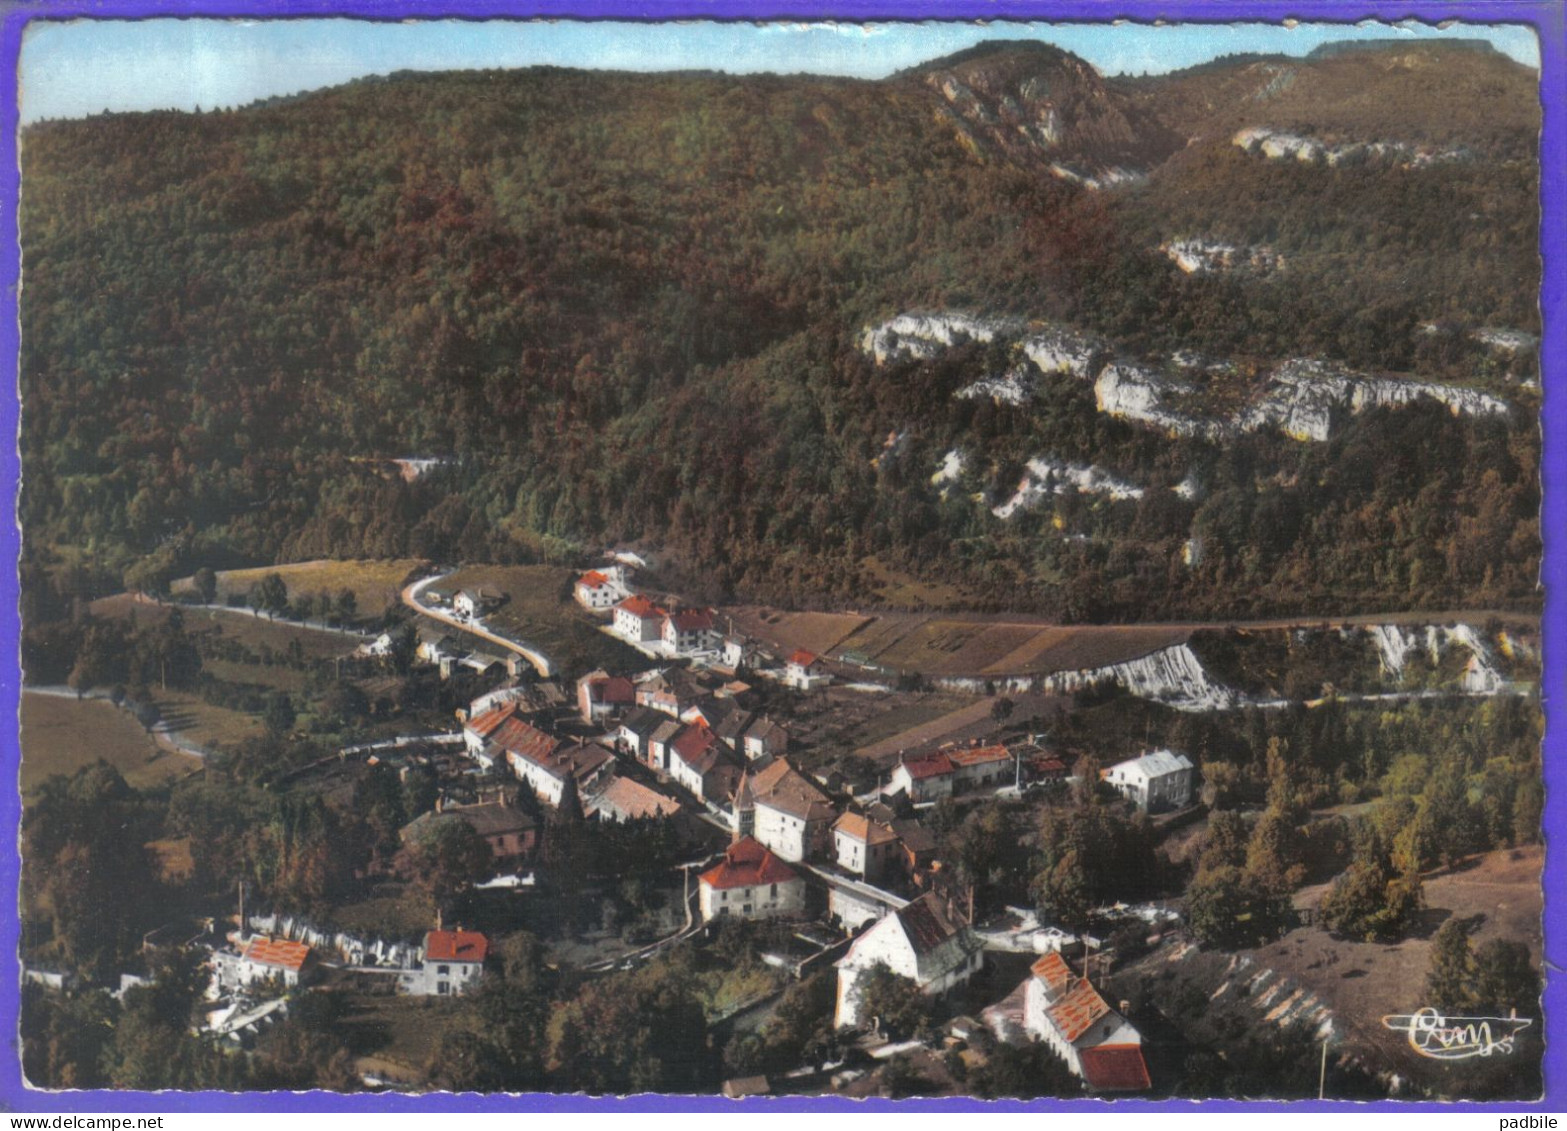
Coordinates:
1547 17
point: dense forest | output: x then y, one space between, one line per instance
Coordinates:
628 308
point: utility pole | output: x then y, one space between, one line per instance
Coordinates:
1322 1076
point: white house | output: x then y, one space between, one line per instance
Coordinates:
924 779
450 963
545 763
765 737
863 847
1155 782
750 883
784 810
688 631
804 672
466 605
638 620
1097 1044
600 589
380 646
921 942
259 959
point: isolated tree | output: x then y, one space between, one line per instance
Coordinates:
269 595
346 604
892 1001
206 583
450 857
1001 709
1505 979
278 715
1450 975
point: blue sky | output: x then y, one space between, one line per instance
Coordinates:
72 69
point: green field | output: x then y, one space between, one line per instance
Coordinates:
60 736
203 723
538 610
376 585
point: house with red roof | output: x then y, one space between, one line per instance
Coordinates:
450 963
981 767
639 620
601 589
803 671
600 695
922 941
704 765
926 778
685 632
1064 1010
751 883
482 725
261 958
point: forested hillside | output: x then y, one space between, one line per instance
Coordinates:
631 307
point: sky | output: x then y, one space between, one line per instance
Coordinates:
70 69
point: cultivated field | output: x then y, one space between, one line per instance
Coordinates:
61 735
814 632
538 611
983 647
375 584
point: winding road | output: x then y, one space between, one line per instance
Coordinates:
410 596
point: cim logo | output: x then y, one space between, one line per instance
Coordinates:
1457 1038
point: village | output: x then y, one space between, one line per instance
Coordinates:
699 745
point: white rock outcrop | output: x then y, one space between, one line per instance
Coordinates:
1281 145
1047 476
951 469
1395 643
927 335
1172 676
1016 386
1205 257
1299 400
1502 340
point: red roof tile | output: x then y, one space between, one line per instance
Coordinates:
930 766
485 723
593 579
748 863
455 946
978 755
692 620
282 953
640 606
1053 971
1078 1010
1115 1068
803 658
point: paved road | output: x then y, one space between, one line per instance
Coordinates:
410 595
